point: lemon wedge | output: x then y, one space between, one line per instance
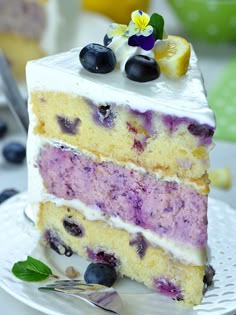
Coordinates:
221 177
173 56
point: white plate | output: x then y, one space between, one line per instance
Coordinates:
19 238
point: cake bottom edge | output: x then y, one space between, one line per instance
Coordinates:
67 231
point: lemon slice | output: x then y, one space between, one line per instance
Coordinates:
221 178
173 56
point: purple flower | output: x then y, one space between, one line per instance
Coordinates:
144 42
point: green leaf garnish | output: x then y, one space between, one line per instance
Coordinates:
31 270
157 22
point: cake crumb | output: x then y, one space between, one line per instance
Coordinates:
71 272
221 178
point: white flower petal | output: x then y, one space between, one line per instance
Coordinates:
147 31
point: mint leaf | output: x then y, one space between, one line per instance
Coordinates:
31 270
157 22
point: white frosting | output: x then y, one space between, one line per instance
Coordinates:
181 97
62 19
123 51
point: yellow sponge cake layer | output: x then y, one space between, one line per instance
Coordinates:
97 241
128 136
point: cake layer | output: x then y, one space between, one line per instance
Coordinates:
126 135
34 28
68 232
169 209
28 18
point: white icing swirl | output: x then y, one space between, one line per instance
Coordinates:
123 51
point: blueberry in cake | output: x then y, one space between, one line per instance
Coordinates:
118 152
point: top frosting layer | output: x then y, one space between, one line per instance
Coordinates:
64 73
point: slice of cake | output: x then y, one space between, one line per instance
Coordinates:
118 152
31 29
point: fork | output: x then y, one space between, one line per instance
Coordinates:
95 294
16 102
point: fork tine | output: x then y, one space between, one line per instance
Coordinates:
69 281
72 283
67 285
95 294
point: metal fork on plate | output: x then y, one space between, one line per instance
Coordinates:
98 295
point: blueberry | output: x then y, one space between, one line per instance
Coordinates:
7 193
209 275
142 68
104 110
104 116
106 40
168 288
68 126
14 152
57 244
101 274
201 130
3 128
140 243
103 257
97 58
72 227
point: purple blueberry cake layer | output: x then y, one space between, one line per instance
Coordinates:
165 207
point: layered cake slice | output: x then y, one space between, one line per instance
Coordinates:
118 152
31 29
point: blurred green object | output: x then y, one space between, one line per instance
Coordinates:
222 99
207 20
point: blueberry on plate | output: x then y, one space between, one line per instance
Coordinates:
101 274
7 193
3 128
14 152
142 68
97 58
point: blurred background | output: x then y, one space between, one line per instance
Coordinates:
30 29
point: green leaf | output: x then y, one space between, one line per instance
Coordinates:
31 270
157 22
